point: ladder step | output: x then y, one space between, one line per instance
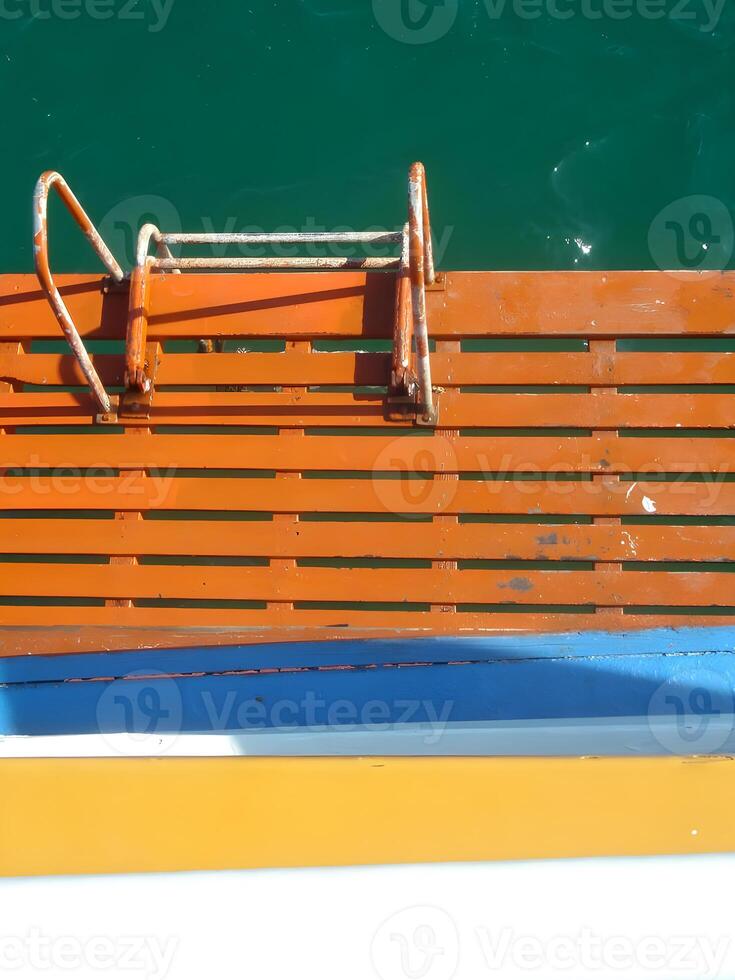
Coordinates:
244 238
300 262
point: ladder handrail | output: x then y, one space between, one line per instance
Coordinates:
46 181
421 270
414 266
409 392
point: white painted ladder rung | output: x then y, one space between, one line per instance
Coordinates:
277 262
281 238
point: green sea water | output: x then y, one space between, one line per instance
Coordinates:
556 133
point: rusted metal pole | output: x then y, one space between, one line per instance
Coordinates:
401 325
417 262
137 328
46 181
428 244
147 234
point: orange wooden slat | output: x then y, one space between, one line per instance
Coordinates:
59 369
444 520
383 496
586 304
25 312
539 542
404 453
604 348
340 368
432 585
194 305
87 629
606 304
457 410
272 304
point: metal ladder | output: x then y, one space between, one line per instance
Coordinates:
409 389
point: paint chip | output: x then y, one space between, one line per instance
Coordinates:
518 584
547 538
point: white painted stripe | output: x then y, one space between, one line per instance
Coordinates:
630 736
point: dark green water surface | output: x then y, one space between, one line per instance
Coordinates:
551 141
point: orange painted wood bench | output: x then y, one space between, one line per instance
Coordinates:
266 495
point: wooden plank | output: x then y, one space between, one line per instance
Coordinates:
92 491
443 520
505 542
602 349
154 815
128 516
586 304
643 653
25 312
291 437
194 305
457 410
404 454
38 629
604 304
484 586
340 368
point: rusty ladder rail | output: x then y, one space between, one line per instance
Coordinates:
46 181
409 393
416 271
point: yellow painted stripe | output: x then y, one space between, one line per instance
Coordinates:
68 816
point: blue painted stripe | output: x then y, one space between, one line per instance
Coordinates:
434 650
503 689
